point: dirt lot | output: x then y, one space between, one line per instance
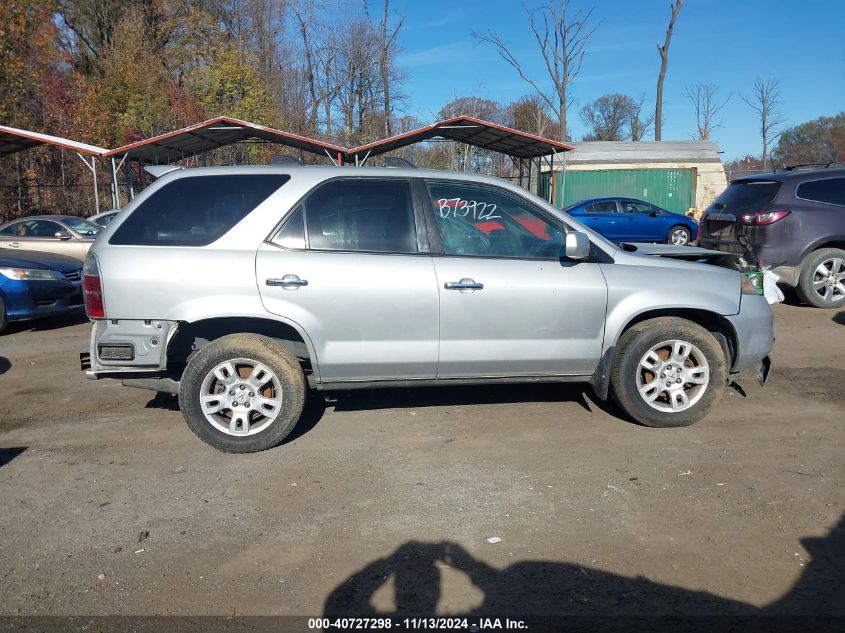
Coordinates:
385 501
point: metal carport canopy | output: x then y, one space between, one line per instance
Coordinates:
472 131
214 133
13 140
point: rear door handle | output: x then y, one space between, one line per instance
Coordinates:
291 282
464 284
14 244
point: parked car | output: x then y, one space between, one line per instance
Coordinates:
102 219
35 285
261 281
629 220
793 220
60 234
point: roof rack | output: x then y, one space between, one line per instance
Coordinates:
812 166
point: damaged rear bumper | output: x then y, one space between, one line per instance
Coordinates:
126 346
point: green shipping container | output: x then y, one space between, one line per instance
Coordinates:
670 189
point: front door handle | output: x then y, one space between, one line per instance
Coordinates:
289 282
464 284
15 244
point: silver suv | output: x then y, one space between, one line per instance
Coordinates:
241 288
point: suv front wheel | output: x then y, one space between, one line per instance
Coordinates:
668 372
822 281
242 393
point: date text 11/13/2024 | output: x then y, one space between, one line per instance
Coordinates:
415 624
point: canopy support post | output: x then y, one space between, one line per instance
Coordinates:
93 168
563 180
334 162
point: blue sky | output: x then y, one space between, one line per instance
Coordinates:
726 42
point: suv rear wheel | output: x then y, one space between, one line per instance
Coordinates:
668 372
822 281
242 393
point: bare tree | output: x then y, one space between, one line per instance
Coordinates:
561 36
606 118
615 117
764 100
706 105
310 74
531 114
387 45
638 126
664 63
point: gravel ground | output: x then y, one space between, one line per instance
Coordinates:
389 501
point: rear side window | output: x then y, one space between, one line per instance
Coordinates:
830 191
366 214
605 206
748 195
195 211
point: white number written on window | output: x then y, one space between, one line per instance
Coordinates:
459 208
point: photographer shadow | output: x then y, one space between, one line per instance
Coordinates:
541 588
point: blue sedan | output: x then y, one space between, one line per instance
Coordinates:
630 220
35 284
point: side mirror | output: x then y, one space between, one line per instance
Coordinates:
577 245
652 214
63 235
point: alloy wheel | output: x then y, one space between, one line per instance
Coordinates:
241 397
672 376
829 280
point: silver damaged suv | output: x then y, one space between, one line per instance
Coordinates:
241 288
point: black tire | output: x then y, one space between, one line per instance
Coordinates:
277 359
4 320
809 276
632 348
680 229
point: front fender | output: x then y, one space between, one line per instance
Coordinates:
636 290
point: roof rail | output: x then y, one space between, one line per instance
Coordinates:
812 166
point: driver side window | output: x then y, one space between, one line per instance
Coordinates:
480 221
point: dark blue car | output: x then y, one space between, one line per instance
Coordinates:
630 220
35 284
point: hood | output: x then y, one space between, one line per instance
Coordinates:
35 259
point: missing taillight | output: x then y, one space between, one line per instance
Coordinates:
762 218
92 289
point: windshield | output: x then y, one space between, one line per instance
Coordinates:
83 227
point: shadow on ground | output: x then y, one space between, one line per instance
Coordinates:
541 588
5 365
450 396
315 408
839 318
420 397
8 454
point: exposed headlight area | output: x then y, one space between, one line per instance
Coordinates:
748 287
31 274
